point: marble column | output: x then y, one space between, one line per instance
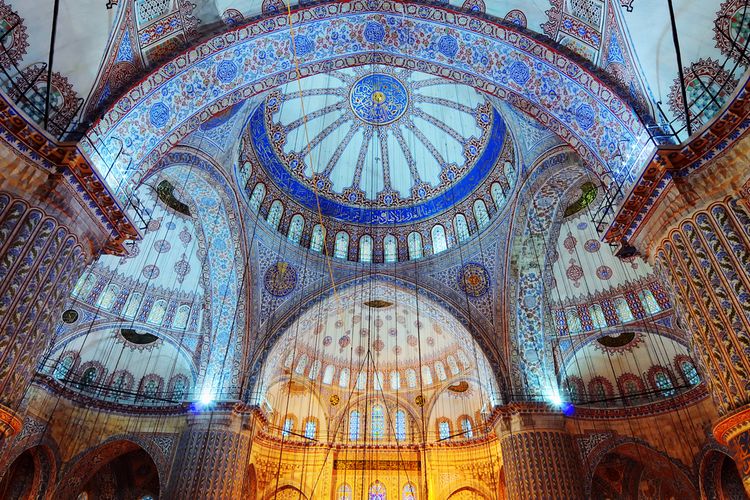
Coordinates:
211 458
540 457
55 216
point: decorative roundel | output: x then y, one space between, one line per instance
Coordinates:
474 279
604 272
162 246
592 246
150 272
327 340
70 316
379 99
280 279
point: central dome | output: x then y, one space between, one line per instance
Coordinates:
375 144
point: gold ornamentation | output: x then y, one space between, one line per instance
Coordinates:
419 400
377 465
334 399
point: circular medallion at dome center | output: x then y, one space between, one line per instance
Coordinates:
379 99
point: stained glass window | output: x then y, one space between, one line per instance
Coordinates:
157 312
440 370
119 384
461 228
361 384
664 383
395 380
574 321
256 199
84 285
409 492
341 247
497 195
354 425
275 213
689 372
598 390
377 381
296 225
390 248
452 365
365 248
466 427
182 316
400 425
301 364
377 491
63 367
649 301
623 310
318 238
597 316
377 422
481 215
463 359
414 241
344 492
328 374
132 305
311 428
107 299
89 376
439 242
426 375
411 378
314 370
444 429
344 378
179 388
150 388
288 426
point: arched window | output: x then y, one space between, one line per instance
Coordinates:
508 170
461 228
466 427
440 370
132 305
89 376
150 389
179 388
426 375
314 370
400 425
157 312
390 248
409 492
256 199
439 241
395 380
597 316
599 390
574 321
341 247
354 425
85 285
377 422
663 382
361 384
275 213
328 374
296 226
344 378
414 242
623 310
689 373
63 367
301 365
377 491
575 388
317 240
311 429
481 215
107 299
411 378
452 365
497 195
377 381
120 383
289 360
288 427
181 317
365 248
444 430
344 492
649 301
463 359
630 385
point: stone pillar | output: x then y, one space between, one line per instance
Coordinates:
55 216
540 457
212 458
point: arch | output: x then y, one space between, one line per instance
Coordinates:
467 493
287 492
318 238
718 476
481 215
439 241
365 248
257 197
341 245
461 227
390 248
31 474
523 64
82 473
414 244
296 226
275 213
